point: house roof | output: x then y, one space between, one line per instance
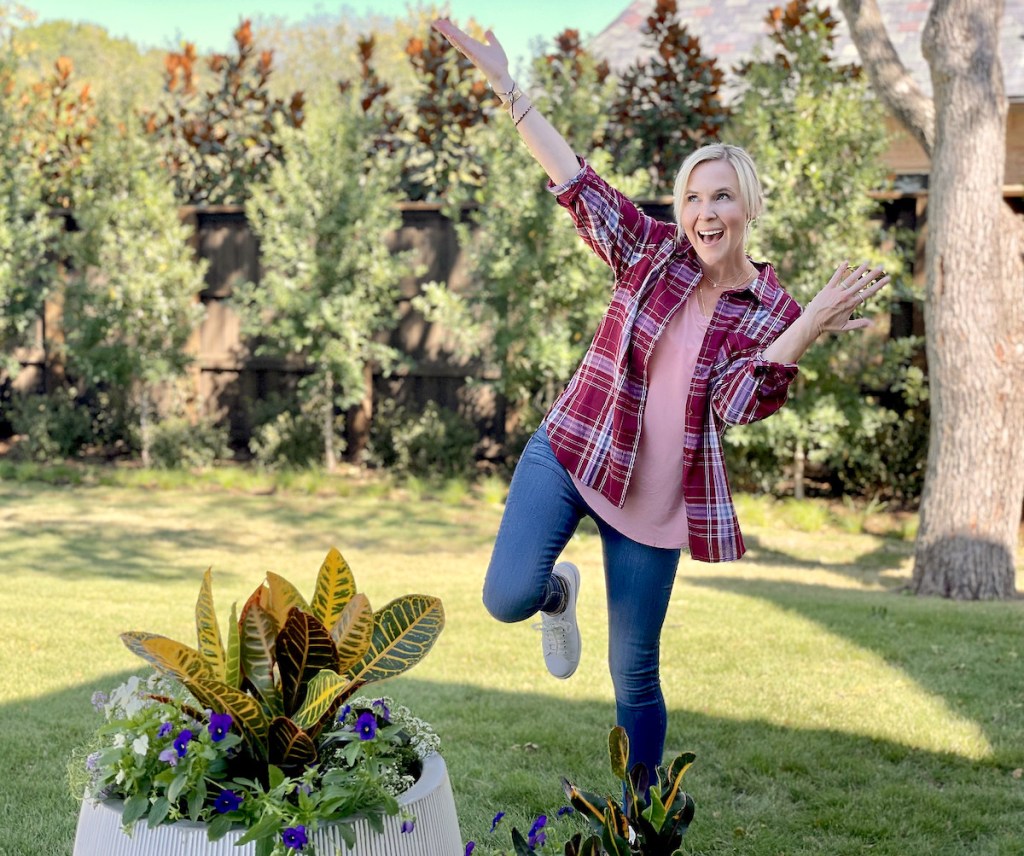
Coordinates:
730 30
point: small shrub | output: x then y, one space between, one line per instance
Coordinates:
177 443
437 443
53 426
288 441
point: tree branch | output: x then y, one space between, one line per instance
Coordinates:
889 77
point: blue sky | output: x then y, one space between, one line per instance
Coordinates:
209 23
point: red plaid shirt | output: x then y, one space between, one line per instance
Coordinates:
594 426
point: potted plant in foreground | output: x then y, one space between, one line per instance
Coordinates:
258 738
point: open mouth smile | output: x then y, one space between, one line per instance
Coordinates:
710 236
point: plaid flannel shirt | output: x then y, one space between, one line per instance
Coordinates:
594 426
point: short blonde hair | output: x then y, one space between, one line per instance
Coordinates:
750 186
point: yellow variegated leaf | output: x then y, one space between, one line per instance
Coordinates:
290 746
233 658
676 771
618 752
258 635
246 712
207 630
321 693
282 596
303 648
167 656
335 587
403 632
353 631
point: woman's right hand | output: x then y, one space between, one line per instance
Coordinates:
489 57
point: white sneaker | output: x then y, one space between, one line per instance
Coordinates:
560 633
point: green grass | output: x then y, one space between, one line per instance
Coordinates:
830 712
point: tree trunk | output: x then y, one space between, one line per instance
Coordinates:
974 318
358 420
144 429
970 509
330 455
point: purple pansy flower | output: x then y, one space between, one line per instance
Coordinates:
164 729
385 711
227 801
470 847
408 825
537 836
169 756
220 725
366 726
565 809
181 742
497 820
295 838
345 711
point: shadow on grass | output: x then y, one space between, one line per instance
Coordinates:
978 670
135 544
870 567
760 788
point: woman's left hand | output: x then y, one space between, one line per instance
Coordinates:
832 307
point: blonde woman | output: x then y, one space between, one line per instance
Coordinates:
697 337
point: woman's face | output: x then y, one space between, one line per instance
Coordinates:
714 216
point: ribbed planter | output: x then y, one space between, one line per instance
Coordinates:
430 800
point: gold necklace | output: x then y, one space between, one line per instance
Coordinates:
743 277
752 271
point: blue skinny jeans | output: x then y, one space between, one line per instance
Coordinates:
542 512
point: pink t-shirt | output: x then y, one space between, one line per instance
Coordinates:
654 513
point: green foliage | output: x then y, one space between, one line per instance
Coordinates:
818 136
217 142
538 292
286 665
287 440
441 128
55 124
27 234
665 105
435 443
51 427
131 302
182 443
652 829
330 284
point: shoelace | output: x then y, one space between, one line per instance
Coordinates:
555 637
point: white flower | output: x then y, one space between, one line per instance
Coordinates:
120 740
140 745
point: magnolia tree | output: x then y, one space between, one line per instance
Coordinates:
813 127
329 284
27 233
131 301
974 317
221 133
666 104
537 292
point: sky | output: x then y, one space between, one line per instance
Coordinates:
209 23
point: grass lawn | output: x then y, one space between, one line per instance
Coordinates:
830 713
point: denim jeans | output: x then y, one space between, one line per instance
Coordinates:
542 512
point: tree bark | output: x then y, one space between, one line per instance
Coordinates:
330 455
974 320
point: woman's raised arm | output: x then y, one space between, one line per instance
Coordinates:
547 146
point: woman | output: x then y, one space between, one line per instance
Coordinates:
697 338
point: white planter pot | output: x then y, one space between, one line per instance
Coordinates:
430 800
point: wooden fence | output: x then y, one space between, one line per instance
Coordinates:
230 382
